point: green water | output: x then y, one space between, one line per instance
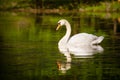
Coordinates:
29 50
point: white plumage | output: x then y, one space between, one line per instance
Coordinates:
76 42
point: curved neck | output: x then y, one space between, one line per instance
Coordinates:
65 38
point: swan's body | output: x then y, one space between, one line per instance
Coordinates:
76 41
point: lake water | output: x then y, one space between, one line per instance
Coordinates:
29 47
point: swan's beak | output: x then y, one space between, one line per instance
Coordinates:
58 26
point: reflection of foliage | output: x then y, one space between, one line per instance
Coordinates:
18 26
31 47
26 28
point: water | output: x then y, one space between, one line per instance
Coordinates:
29 51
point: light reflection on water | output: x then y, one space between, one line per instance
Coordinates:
31 52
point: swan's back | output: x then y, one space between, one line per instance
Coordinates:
84 39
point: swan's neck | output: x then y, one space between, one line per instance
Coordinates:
64 40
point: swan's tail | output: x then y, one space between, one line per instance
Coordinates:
98 40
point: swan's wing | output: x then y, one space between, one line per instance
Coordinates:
80 44
82 39
98 40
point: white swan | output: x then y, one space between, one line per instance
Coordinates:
71 44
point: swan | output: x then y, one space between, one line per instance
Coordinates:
73 43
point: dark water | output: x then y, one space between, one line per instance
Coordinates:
29 51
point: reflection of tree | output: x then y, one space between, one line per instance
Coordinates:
39 4
38 21
119 19
76 25
116 24
119 1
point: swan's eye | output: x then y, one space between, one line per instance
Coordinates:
59 23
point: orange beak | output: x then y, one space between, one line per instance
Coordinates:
58 26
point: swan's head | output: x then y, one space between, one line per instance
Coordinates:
61 23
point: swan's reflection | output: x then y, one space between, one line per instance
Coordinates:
84 51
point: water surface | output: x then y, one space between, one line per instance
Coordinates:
29 50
